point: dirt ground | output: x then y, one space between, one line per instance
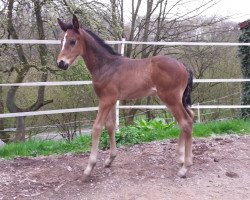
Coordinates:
221 170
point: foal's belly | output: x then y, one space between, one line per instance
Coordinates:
136 92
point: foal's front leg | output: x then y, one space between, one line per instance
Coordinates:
103 112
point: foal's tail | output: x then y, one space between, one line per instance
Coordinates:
186 99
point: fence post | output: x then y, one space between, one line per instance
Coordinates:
199 113
117 113
123 46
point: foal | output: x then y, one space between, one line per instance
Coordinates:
118 78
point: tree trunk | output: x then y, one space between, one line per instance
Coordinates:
146 28
144 46
116 26
1 108
129 118
133 25
3 135
129 114
148 111
20 129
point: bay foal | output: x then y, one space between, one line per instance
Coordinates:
118 78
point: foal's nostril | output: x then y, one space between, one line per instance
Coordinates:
63 65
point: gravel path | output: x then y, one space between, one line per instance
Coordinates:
221 170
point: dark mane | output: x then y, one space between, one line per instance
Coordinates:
102 43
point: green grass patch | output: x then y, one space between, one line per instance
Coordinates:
45 147
222 127
127 136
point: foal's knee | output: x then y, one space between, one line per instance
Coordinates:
96 131
190 113
110 128
187 128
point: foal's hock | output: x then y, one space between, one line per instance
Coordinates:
118 78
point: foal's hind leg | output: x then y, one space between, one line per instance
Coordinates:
181 142
185 121
181 149
184 148
110 125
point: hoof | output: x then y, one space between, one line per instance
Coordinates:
86 178
189 163
182 172
86 175
107 163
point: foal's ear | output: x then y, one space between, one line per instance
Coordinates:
62 25
75 22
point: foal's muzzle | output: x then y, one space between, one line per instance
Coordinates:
63 65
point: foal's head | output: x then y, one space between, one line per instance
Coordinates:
71 43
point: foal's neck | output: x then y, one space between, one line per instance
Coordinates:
94 55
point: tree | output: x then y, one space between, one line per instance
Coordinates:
24 67
4 136
245 66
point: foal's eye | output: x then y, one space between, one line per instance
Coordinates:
72 42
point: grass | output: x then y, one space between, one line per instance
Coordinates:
127 136
45 147
222 127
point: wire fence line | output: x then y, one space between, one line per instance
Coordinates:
123 41
54 83
75 110
89 82
74 83
86 125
